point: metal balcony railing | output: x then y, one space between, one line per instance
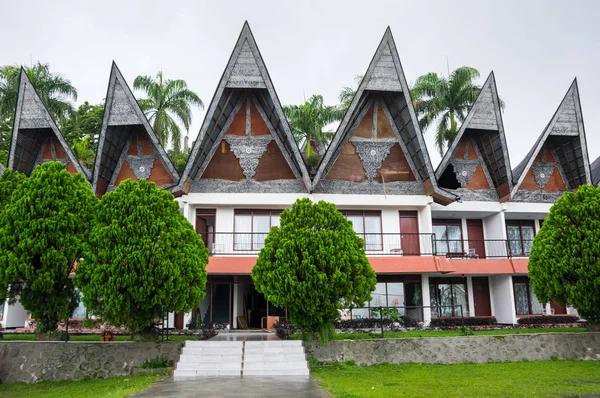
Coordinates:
382 244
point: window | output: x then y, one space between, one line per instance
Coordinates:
448 236
80 311
252 227
367 225
520 237
447 296
403 293
1 309
525 301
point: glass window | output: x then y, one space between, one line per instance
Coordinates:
367 225
448 296
378 297
520 237
1 309
526 303
448 236
252 227
391 294
79 312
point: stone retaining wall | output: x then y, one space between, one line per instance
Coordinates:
472 349
31 361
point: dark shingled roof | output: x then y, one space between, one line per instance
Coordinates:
596 172
245 76
565 133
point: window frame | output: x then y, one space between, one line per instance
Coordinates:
448 222
525 280
363 235
449 281
520 224
252 213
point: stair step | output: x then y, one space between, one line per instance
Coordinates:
211 358
280 372
274 343
182 374
217 366
253 357
211 351
274 366
274 350
214 344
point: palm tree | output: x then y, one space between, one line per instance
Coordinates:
347 94
445 99
55 91
307 122
168 102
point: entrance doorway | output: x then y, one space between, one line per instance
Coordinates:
481 296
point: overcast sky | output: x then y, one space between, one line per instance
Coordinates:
535 48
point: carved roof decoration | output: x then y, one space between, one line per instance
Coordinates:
565 137
35 133
384 84
484 127
244 78
123 122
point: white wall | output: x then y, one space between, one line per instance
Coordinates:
14 315
426 298
494 227
470 296
502 298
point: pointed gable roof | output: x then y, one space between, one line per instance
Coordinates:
484 126
123 117
33 130
385 77
245 76
566 134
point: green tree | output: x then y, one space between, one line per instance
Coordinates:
307 122
347 94
44 227
564 264
445 99
179 159
82 129
168 102
314 264
55 90
144 257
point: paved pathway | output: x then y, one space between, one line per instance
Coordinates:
235 387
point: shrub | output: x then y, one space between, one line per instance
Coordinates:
284 329
454 322
547 320
372 323
156 363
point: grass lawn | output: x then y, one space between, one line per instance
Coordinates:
91 337
114 387
448 333
515 379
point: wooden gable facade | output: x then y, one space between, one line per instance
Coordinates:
128 147
245 143
476 166
36 138
558 161
378 147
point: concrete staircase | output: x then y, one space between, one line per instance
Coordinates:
241 358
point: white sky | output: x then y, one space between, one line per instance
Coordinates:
535 48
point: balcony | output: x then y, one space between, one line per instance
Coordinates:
384 244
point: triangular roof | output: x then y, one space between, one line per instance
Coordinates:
567 121
385 76
32 128
245 71
121 113
596 172
484 122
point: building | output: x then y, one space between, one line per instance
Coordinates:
443 242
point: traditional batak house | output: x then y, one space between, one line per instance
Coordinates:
443 243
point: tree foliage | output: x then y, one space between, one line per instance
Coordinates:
564 264
169 102
44 227
144 257
445 99
312 264
82 129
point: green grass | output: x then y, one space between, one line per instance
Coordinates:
92 337
516 379
448 333
115 387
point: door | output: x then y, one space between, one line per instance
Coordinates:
557 309
178 320
481 296
475 234
409 233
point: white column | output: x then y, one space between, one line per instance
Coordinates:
235 305
470 296
426 299
465 235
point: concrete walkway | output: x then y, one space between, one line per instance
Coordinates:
235 387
